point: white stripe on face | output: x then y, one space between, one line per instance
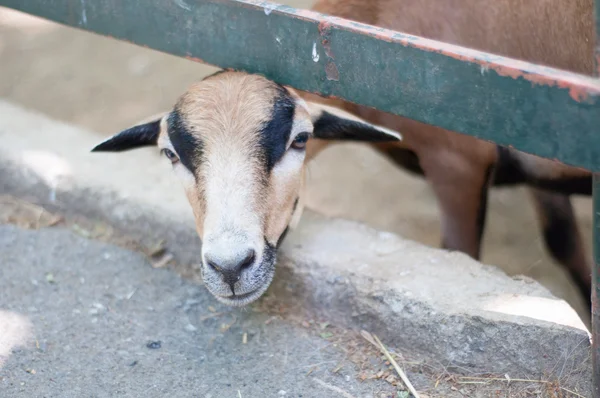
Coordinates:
231 184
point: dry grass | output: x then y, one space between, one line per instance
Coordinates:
373 339
433 380
25 214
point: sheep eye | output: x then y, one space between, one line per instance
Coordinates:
170 155
300 141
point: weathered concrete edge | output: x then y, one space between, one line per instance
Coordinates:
463 342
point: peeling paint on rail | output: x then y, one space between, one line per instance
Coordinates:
580 87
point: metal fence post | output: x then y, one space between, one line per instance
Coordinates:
596 290
596 242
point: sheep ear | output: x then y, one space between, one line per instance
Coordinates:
331 123
140 135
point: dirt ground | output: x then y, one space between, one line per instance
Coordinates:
105 85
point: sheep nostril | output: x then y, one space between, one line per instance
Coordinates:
213 266
249 260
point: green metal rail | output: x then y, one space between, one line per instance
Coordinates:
536 109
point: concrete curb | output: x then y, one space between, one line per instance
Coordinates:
442 305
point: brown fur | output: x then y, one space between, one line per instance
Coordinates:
555 33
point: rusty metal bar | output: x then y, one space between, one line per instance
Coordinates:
539 110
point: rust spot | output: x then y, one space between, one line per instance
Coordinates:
327 47
324 27
195 59
325 32
576 92
331 71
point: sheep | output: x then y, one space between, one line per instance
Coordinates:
239 144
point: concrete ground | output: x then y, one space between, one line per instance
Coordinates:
104 85
93 323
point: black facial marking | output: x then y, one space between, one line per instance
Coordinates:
331 127
276 132
187 146
269 253
134 137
